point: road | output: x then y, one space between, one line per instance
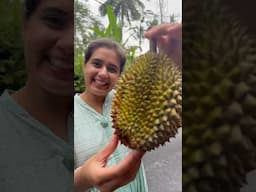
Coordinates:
163 166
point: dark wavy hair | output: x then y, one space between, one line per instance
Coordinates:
30 6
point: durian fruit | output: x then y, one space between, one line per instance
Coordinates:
219 105
146 108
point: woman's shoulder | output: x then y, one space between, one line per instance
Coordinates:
8 104
78 101
110 95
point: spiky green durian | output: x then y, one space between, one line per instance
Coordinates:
219 105
146 108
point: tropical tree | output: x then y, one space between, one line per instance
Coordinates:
129 9
114 31
84 19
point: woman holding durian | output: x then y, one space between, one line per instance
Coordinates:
100 163
104 62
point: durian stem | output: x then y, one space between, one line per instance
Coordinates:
152 45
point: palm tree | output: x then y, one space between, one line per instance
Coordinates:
129 9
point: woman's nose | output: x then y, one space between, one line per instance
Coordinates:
103 71
66 42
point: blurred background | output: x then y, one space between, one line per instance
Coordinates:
124 21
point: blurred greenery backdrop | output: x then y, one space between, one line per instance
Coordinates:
12 65
123 20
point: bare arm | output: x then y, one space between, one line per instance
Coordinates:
94 173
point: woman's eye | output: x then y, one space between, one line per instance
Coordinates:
54 22
96 64
112 69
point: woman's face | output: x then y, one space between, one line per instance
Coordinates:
48 45
102 71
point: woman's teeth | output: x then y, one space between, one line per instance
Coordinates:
102 83
61 64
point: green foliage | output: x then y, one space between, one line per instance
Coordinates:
83 19
114 31
12 64
78 70
88 28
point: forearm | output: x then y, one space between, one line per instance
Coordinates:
80 183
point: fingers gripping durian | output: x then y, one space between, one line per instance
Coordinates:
146 108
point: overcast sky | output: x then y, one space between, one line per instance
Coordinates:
172 7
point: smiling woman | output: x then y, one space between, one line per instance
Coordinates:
101 164
36 123
101 72
48 43
104 61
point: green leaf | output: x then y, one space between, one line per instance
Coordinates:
111 16
98 31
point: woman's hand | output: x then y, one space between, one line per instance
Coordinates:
94 173
169 40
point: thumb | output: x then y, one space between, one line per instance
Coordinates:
162 43
109 149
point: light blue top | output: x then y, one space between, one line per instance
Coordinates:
93 131
32 157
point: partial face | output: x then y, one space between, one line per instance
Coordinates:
48 44
102 71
